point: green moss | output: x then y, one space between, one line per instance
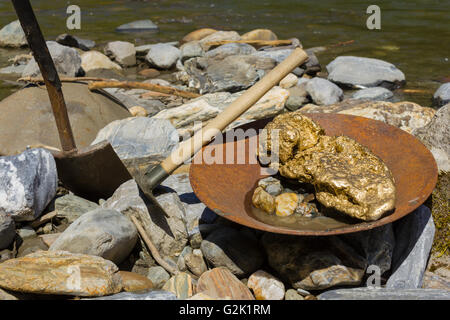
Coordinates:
440 204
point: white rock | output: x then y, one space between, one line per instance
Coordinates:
12 35
123 52
162 55
28 183
92 60
265 286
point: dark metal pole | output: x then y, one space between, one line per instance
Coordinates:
42 56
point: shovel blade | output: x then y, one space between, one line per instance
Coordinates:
94 172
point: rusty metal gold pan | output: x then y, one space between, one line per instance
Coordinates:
227 188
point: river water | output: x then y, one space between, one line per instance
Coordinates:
414 35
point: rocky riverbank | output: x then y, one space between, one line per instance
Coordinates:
54 243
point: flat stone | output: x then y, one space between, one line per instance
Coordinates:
312 263
12 35
5 296
374 94
229 248
60 273
133 282
162 56
323 92
233 73
28 182
150 295
436 137
265 286
277 55
149 73
190 50
168 233
219 36
292 294
75 42
7 230
70 207
102 232
404 115
181 285
138 26
230 49
49 239
67 61
414 238
140 142
123 52
220 283
198 34
367 72
209 106
158 276
385 294
93 60
442 95
260 34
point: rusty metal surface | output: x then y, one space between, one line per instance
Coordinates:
227 188
94 172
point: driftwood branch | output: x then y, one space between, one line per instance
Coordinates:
140 85
152 248
100 83
258 43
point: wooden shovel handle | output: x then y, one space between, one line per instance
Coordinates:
189 147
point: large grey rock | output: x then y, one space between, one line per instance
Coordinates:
367 72
28 183
168 233
375 93
70 207
436 136
162 55
414 237
233 73
12 35
102 232
442 95
7 230
277 55
151 295
67 61
138 26
140 140
230 49
312 263
75 42
385 294
323 92
121 51
375 245
236 251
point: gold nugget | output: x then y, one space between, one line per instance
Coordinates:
346 175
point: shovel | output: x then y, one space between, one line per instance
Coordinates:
94 172
98 171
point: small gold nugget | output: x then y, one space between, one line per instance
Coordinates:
346 175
